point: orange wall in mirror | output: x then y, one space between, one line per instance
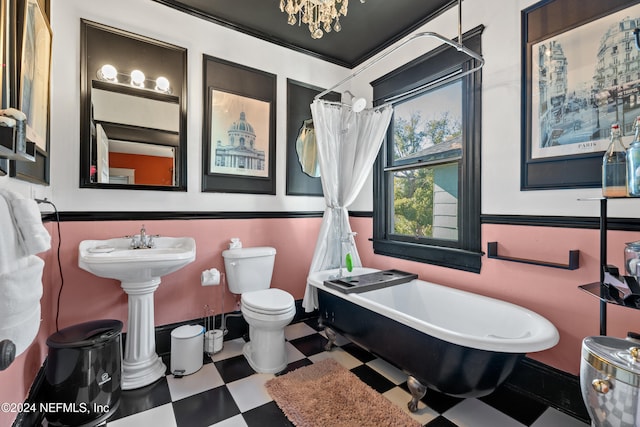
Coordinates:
149 170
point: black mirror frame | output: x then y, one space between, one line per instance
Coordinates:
85 110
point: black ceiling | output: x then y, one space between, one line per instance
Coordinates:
366 30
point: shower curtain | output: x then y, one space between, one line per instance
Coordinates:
348 143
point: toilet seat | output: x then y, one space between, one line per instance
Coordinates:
270 301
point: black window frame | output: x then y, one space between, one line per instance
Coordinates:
465 253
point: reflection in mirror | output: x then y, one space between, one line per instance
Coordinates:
124 123
133 115
307 149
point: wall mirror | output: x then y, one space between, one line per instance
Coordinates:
132 111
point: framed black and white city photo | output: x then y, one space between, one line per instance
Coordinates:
581 74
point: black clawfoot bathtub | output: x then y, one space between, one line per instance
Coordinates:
456 342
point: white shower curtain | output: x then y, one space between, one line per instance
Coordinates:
348 143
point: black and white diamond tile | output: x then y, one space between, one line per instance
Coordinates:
226 392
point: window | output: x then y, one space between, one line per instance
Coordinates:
427 174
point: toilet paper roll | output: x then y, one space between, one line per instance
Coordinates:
208 342
210 277
213 341
217 340
235 243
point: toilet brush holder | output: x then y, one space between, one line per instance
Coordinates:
213 341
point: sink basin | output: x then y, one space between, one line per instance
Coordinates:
139 272
114 258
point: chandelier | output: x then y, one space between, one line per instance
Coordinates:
319 15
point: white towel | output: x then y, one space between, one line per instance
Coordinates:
22 334
32 236
21 237
10 249
20 293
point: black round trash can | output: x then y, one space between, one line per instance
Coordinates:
83 373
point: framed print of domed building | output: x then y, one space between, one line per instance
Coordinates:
239 128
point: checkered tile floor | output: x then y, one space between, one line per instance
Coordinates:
227 392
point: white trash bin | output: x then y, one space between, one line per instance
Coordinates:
187 347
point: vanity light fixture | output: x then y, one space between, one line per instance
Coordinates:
109 73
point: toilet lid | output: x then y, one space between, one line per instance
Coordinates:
268 301
613 357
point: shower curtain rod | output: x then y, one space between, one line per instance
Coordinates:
457 45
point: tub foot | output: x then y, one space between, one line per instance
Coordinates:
331 336
417 391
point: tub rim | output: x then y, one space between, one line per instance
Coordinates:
544 337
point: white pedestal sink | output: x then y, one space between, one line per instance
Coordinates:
139 271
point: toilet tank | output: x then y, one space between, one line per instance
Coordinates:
249 269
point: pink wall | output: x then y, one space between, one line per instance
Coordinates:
551 292
180 296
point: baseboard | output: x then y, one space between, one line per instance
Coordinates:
555 388
236 327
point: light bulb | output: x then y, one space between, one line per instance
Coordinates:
108 72
137 78
162 84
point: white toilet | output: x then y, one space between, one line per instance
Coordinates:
266 310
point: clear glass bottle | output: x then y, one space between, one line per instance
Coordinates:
614 166
633 163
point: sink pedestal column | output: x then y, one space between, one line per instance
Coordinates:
141 365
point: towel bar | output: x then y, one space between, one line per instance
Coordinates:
574 258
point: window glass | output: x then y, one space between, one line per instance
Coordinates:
427 130
427 120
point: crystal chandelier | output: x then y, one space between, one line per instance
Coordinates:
319 15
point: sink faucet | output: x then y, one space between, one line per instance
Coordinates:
143 235
142 240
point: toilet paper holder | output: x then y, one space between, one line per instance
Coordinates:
213 338
210 277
